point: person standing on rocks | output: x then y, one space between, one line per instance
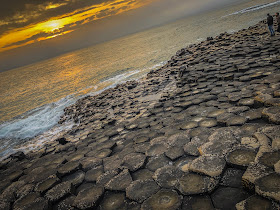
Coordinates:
278 21
270 24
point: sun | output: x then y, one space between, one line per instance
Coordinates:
52 25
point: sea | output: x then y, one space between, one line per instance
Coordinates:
33 97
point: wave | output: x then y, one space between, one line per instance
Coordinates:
254 8
34 128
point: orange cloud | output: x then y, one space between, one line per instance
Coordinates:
63 24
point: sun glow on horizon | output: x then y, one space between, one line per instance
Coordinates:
64 24
52 25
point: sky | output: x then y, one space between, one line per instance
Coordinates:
34 30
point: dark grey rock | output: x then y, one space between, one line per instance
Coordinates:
75 179
269 186
272 114
142 174
191 184
140 190
59 191
227 197
22 202
269 158
168 177
94 173
45 185
209 165
68 168
66 204
106 177
134 161
197 202
232 178
163 199
241 157
174 152
112 201
157 162
88 198
119 182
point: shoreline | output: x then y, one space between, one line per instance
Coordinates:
202 130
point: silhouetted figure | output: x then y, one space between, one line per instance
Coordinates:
278 21
270 24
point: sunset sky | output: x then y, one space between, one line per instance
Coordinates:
36 20
33 30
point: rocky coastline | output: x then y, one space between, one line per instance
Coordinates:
201 132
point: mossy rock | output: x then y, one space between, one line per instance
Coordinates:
163 199
191 184
241 157
269 186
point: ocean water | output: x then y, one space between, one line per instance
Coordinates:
33 97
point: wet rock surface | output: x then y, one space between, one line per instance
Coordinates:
201 132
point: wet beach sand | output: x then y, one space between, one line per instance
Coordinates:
201 132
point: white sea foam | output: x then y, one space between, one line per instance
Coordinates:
254 8
36 121
122 78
